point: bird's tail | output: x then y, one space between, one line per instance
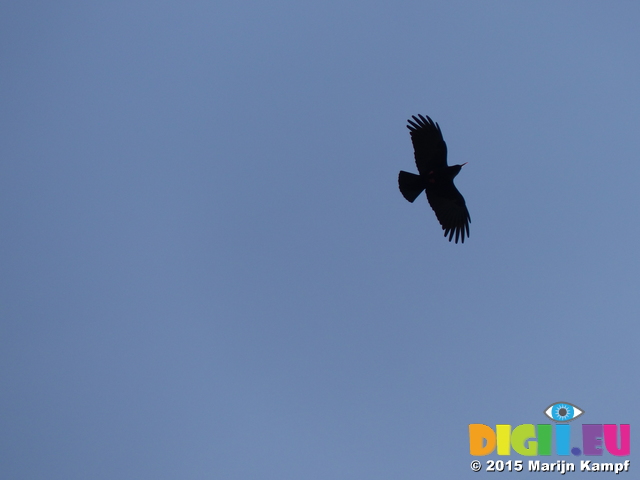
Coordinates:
410 185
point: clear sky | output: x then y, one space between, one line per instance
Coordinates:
208 271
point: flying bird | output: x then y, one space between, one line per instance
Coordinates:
436 178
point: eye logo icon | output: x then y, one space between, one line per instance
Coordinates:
563 412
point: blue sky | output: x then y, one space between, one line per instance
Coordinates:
208 270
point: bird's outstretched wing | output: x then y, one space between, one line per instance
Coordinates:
451 211
429 147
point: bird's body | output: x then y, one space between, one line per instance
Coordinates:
435 178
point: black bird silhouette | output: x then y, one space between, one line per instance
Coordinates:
436 178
